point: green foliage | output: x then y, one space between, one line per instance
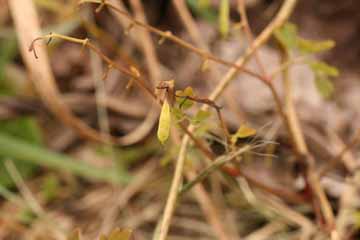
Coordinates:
324 86
26 216
25 128
50 187
224 18
310 46
200 116
323 72
17 149
244 131
178 114
8 50
203 9
182 101
288 37
324 68
164 123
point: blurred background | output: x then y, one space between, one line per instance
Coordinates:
54 176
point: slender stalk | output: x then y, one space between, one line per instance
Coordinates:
216 164
356 139
282 16
301 148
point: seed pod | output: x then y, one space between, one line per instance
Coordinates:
224 20
164 123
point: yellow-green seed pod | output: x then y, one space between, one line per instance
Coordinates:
164 123
224 15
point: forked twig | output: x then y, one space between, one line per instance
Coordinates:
131 72
171 37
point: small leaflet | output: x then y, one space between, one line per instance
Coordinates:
311 46
244 131
323 83
287 35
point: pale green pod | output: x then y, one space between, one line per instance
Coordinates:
164 123
224 15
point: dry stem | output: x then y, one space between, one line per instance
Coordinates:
282 16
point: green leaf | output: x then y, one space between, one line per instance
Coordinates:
26 216
203 4
324 85
311 46
287 35
18 149
8 51
324 68
178 114
203 9
323 72
164 123
182 101
27 129
244 131
50 188
201 116
224 18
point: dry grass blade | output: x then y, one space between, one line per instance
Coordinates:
28 28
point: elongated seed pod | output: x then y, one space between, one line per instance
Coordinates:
164 123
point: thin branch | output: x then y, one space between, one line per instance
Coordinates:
249 34
169 36
216 164
301 148
131 72
332 163
282 16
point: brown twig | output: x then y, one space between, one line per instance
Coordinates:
132 72
301 149
332 163
169 36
